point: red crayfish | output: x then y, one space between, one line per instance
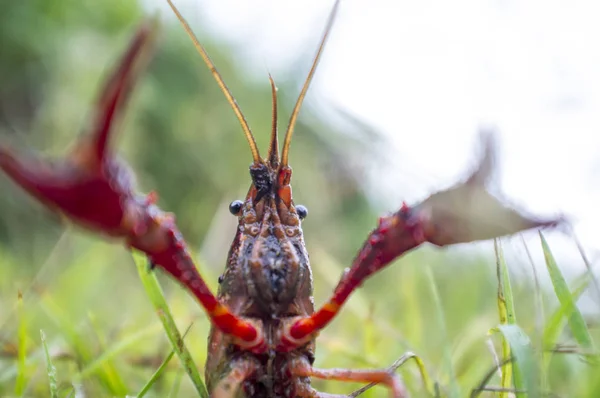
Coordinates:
264 324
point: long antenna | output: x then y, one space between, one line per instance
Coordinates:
273 155
220 82
294 116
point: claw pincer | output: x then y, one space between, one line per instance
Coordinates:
95 189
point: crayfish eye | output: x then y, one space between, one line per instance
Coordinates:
235 207
302 211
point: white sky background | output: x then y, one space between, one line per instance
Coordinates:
429 73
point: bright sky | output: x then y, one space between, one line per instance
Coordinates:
429 73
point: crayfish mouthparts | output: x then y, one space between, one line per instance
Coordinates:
262 179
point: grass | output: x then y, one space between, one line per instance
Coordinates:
109 331
156 296
50 368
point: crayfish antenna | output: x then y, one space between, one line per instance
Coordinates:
221 83
313 68
273 155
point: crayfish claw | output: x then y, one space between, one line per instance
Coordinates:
118 87
49 182
91 185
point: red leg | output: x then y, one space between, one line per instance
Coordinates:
94 189
392 381
393 237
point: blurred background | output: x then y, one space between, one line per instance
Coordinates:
392 115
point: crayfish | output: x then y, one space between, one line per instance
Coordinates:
264 322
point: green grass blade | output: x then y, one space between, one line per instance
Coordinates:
110 352
174 393
105 360
506 311
155 293
109 376
50 368
427 383
506 306
454 391
523 360
156 375
555 323
22 351
575 319
540 319
160 369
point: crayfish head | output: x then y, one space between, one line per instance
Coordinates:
268 261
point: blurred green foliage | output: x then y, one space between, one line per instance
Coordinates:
184 141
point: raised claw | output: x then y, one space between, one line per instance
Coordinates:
91 198
90 185
466 212
95 189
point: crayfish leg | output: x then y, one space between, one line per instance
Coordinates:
383 376
309 392
229 386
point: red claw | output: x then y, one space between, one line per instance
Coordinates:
90 185
466 212
93 188
91 198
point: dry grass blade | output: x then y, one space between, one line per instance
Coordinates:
482 385
588 264
399 362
